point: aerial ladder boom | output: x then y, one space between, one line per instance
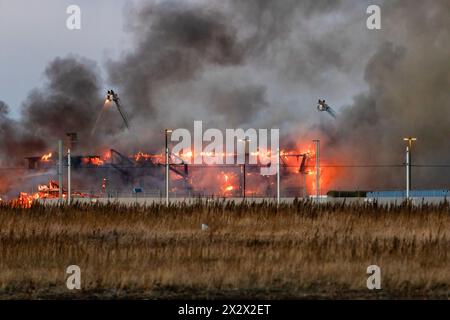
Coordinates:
112 96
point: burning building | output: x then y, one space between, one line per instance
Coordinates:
114 174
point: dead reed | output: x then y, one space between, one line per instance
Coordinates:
250 250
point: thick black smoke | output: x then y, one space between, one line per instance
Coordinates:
69 101
175 44
409 82
203 62
16 141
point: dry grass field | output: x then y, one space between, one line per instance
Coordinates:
298 251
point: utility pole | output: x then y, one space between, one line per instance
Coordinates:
278 176
167 131
304 185
243 180
408 172
69 188
60 171
317 169
303 173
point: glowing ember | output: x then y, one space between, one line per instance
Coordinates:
106 155
229 183
24 200
46 157
141 156
96 161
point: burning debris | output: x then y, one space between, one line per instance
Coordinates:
92 160
46 157
45 191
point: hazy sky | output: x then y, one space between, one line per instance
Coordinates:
32 33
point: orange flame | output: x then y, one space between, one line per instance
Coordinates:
141 156
45 191
46 157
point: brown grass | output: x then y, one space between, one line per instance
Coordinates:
250 251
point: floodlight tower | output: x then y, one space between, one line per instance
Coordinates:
317 169
278 177
166 134
410 140
69 180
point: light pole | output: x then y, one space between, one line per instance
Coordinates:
303 172
69 182
166 133
408 172
278 176
317 169
408 165
304 184
245 140
60 171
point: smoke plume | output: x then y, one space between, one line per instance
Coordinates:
409 81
